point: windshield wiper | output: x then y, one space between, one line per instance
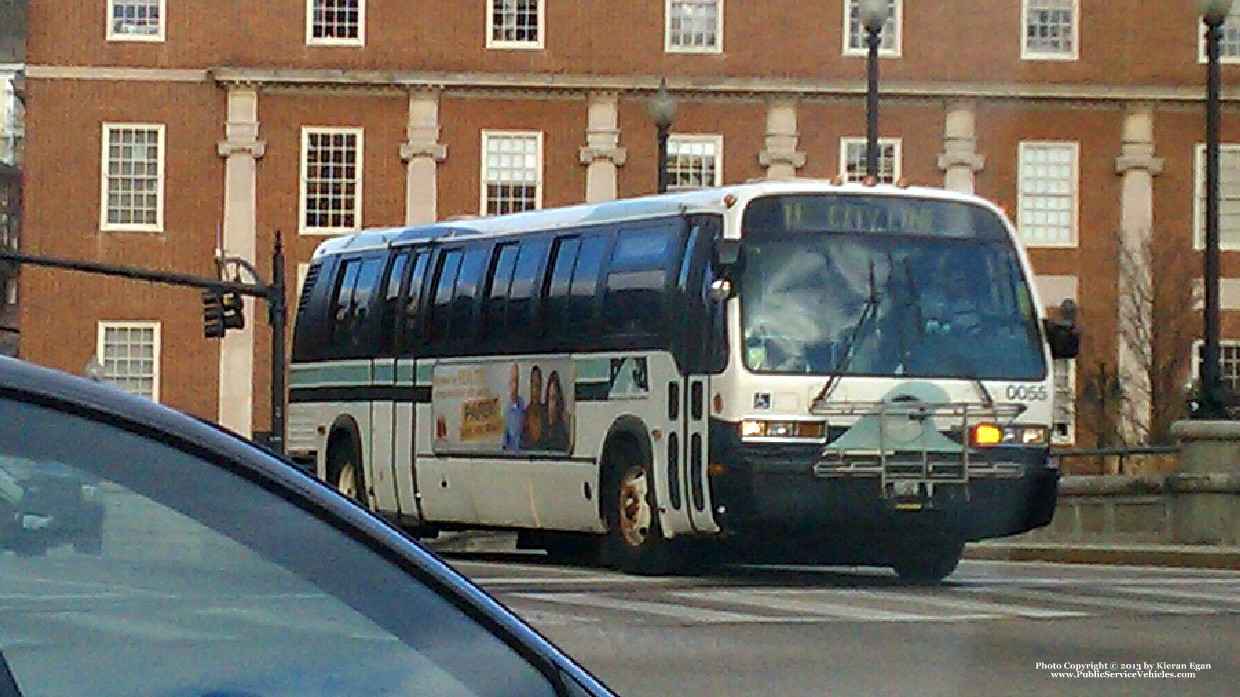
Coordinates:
868 312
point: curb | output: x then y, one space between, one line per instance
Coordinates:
473 541
1176 556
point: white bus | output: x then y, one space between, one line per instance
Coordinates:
796 370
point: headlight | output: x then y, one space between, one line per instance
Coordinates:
756 428
990 434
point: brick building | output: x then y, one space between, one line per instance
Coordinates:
12 57
156 128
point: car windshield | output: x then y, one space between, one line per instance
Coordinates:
821 296
120 577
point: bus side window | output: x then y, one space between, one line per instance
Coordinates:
526 284
342 303
441 300
386 313
464 322
555 294
637 280
361 334
415 314
583 293
495 302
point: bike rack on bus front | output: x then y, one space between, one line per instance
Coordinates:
899 441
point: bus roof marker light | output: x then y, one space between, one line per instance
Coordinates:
729 200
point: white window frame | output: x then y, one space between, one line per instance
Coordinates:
1070 438
690 138
1199 345
161 158
359 170
112 35
669 47
1199 192
1076 191
10 291
897 23
897 157
156 340
312 40
1027 54
482 166
492 42
1232 17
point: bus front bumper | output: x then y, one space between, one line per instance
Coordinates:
765 487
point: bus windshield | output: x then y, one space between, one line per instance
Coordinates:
884 286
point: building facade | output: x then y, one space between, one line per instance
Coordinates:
12 132
158 131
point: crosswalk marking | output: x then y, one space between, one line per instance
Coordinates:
982 606
819 607
1228 598
681 612
1099 601
130 627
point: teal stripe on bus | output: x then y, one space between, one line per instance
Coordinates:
315 375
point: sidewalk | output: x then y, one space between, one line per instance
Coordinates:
1181 556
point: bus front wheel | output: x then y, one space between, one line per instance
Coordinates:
925 559
635 544
344 469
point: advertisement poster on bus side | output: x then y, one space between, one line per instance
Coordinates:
504 407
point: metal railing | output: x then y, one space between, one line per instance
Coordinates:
1121 453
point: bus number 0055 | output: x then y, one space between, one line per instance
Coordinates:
1028 393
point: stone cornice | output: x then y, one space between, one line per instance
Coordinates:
582 85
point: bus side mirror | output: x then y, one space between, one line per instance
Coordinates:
728 252
1063 335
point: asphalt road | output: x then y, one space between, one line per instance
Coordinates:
995 628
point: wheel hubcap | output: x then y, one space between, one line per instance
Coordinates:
346 482
635 513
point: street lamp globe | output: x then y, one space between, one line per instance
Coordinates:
663 106
1214 11
874 15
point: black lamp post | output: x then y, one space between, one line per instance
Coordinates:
1213 13
873 17
662 111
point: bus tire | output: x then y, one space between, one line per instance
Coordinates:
925 560
344 471
634 542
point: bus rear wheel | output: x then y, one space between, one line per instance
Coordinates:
344 469
635 544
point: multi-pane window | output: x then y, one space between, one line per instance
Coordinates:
331 180
1050 29
1047 194
12 129
695 25
135 20
1064 415
133 177
336 22
511 172
853 159
1229 47
1228 197
1228 362
515 24
693 162
129 353
855 34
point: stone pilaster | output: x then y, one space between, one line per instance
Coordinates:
422 152
241 150
781 157
602 153
960 160
1138 167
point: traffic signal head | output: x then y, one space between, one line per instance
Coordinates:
213 315
234 311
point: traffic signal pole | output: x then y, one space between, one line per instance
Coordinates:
272 294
